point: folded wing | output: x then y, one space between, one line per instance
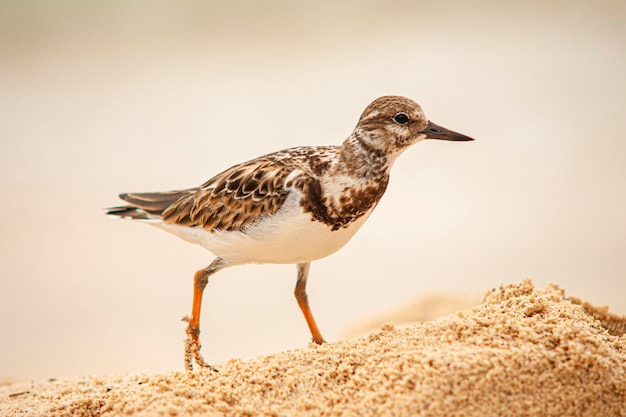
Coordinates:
232 200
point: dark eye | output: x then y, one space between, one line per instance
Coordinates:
401 118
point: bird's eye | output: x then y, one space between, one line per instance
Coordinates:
401 118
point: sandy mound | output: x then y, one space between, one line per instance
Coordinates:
426 308
522 352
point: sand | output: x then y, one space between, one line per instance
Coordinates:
426 308
522 352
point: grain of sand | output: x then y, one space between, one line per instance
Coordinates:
522 352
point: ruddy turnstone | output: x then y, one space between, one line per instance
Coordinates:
289 207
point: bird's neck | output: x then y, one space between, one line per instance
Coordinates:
360 160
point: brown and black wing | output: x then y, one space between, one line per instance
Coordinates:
234 199
231 200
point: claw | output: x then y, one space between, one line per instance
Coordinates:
192 350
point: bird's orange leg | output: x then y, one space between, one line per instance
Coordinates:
303 302
192 342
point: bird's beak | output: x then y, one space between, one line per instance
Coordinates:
434 131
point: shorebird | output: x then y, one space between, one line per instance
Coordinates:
289 207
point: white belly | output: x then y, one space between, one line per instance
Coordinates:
289 236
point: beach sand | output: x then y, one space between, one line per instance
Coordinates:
521 352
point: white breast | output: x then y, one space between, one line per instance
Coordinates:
289 236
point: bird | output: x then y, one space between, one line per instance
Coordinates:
293 206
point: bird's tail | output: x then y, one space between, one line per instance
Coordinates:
146 206
128 212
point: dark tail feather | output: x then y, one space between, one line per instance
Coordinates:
153 203
128 212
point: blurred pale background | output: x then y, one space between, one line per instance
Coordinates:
99 98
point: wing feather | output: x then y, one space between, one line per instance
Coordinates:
234 199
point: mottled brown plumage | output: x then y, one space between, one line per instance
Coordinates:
241 195
233 199
292 206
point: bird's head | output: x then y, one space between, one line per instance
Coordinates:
390 124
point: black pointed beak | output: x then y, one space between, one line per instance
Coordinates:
434 131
